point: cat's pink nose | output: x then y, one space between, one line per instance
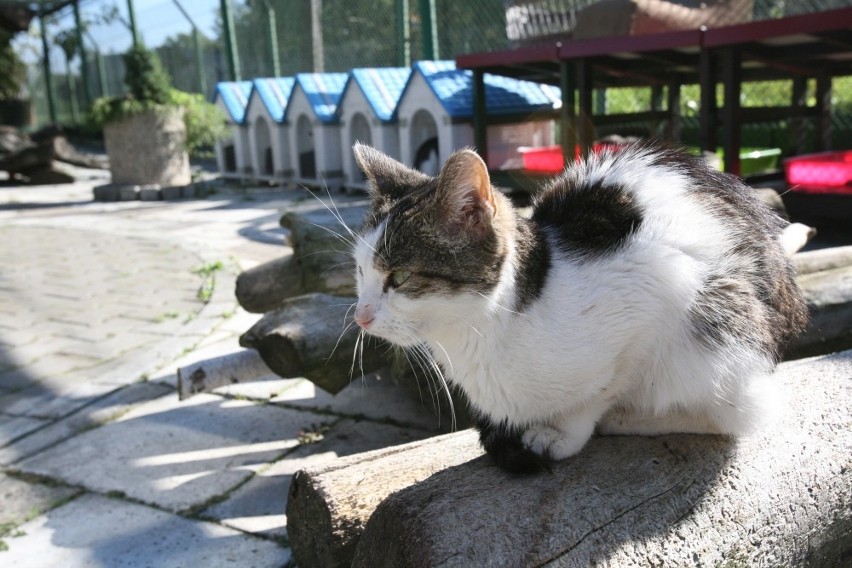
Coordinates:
364 316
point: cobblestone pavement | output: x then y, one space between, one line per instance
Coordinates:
100 464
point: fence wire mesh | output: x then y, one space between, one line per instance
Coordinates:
285 37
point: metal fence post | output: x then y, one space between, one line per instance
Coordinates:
196 45
404 27
230 41
274 62
84 63
131 14
429 29
48 75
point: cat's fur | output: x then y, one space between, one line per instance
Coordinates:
647 294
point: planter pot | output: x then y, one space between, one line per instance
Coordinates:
149 148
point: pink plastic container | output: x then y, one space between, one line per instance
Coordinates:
824 172
548 159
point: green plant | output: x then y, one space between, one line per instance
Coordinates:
145 76
205 122
12 70
150 89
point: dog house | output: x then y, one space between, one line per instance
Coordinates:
269 137
367 113
314 127
233 154
435 115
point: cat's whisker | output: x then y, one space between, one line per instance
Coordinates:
497 304
340 337
470 325
335 212
335 234
445 386
354 356
422 362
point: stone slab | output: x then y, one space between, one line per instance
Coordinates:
102 411
23 500
177 455
258 506
95 531
373 397
12 427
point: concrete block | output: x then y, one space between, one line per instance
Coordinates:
100 412
177 455
23 500
128 193
147 193
107 192
190 191
12 427
172 193
100 531
373 397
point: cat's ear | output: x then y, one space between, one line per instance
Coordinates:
388 178
466 195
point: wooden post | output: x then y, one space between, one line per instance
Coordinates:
480 113
584 87
823 118
674 128
708 113
798 100
568 114
731 124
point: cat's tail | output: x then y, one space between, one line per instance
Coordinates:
795 236
504 444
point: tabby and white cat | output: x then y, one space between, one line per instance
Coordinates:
647 294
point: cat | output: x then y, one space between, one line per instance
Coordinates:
647 294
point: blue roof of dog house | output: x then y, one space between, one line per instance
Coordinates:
323 91
382 86
503 95
234 95
274 93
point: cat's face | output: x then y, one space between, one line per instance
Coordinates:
431 249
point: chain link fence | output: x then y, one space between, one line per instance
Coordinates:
285 37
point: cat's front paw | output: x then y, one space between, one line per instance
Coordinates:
552 442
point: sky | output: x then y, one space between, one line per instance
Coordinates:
156 20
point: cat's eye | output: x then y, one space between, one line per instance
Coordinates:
398 277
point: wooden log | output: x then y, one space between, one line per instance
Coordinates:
778 497
204 376
323 246
329 505
829 297
265 287
310 336
822 259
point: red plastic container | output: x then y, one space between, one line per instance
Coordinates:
824 172
548 159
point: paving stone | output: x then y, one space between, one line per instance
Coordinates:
93 531
177 455
12 427
16 378
54 397
23 500
102 411
372 397
258 506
